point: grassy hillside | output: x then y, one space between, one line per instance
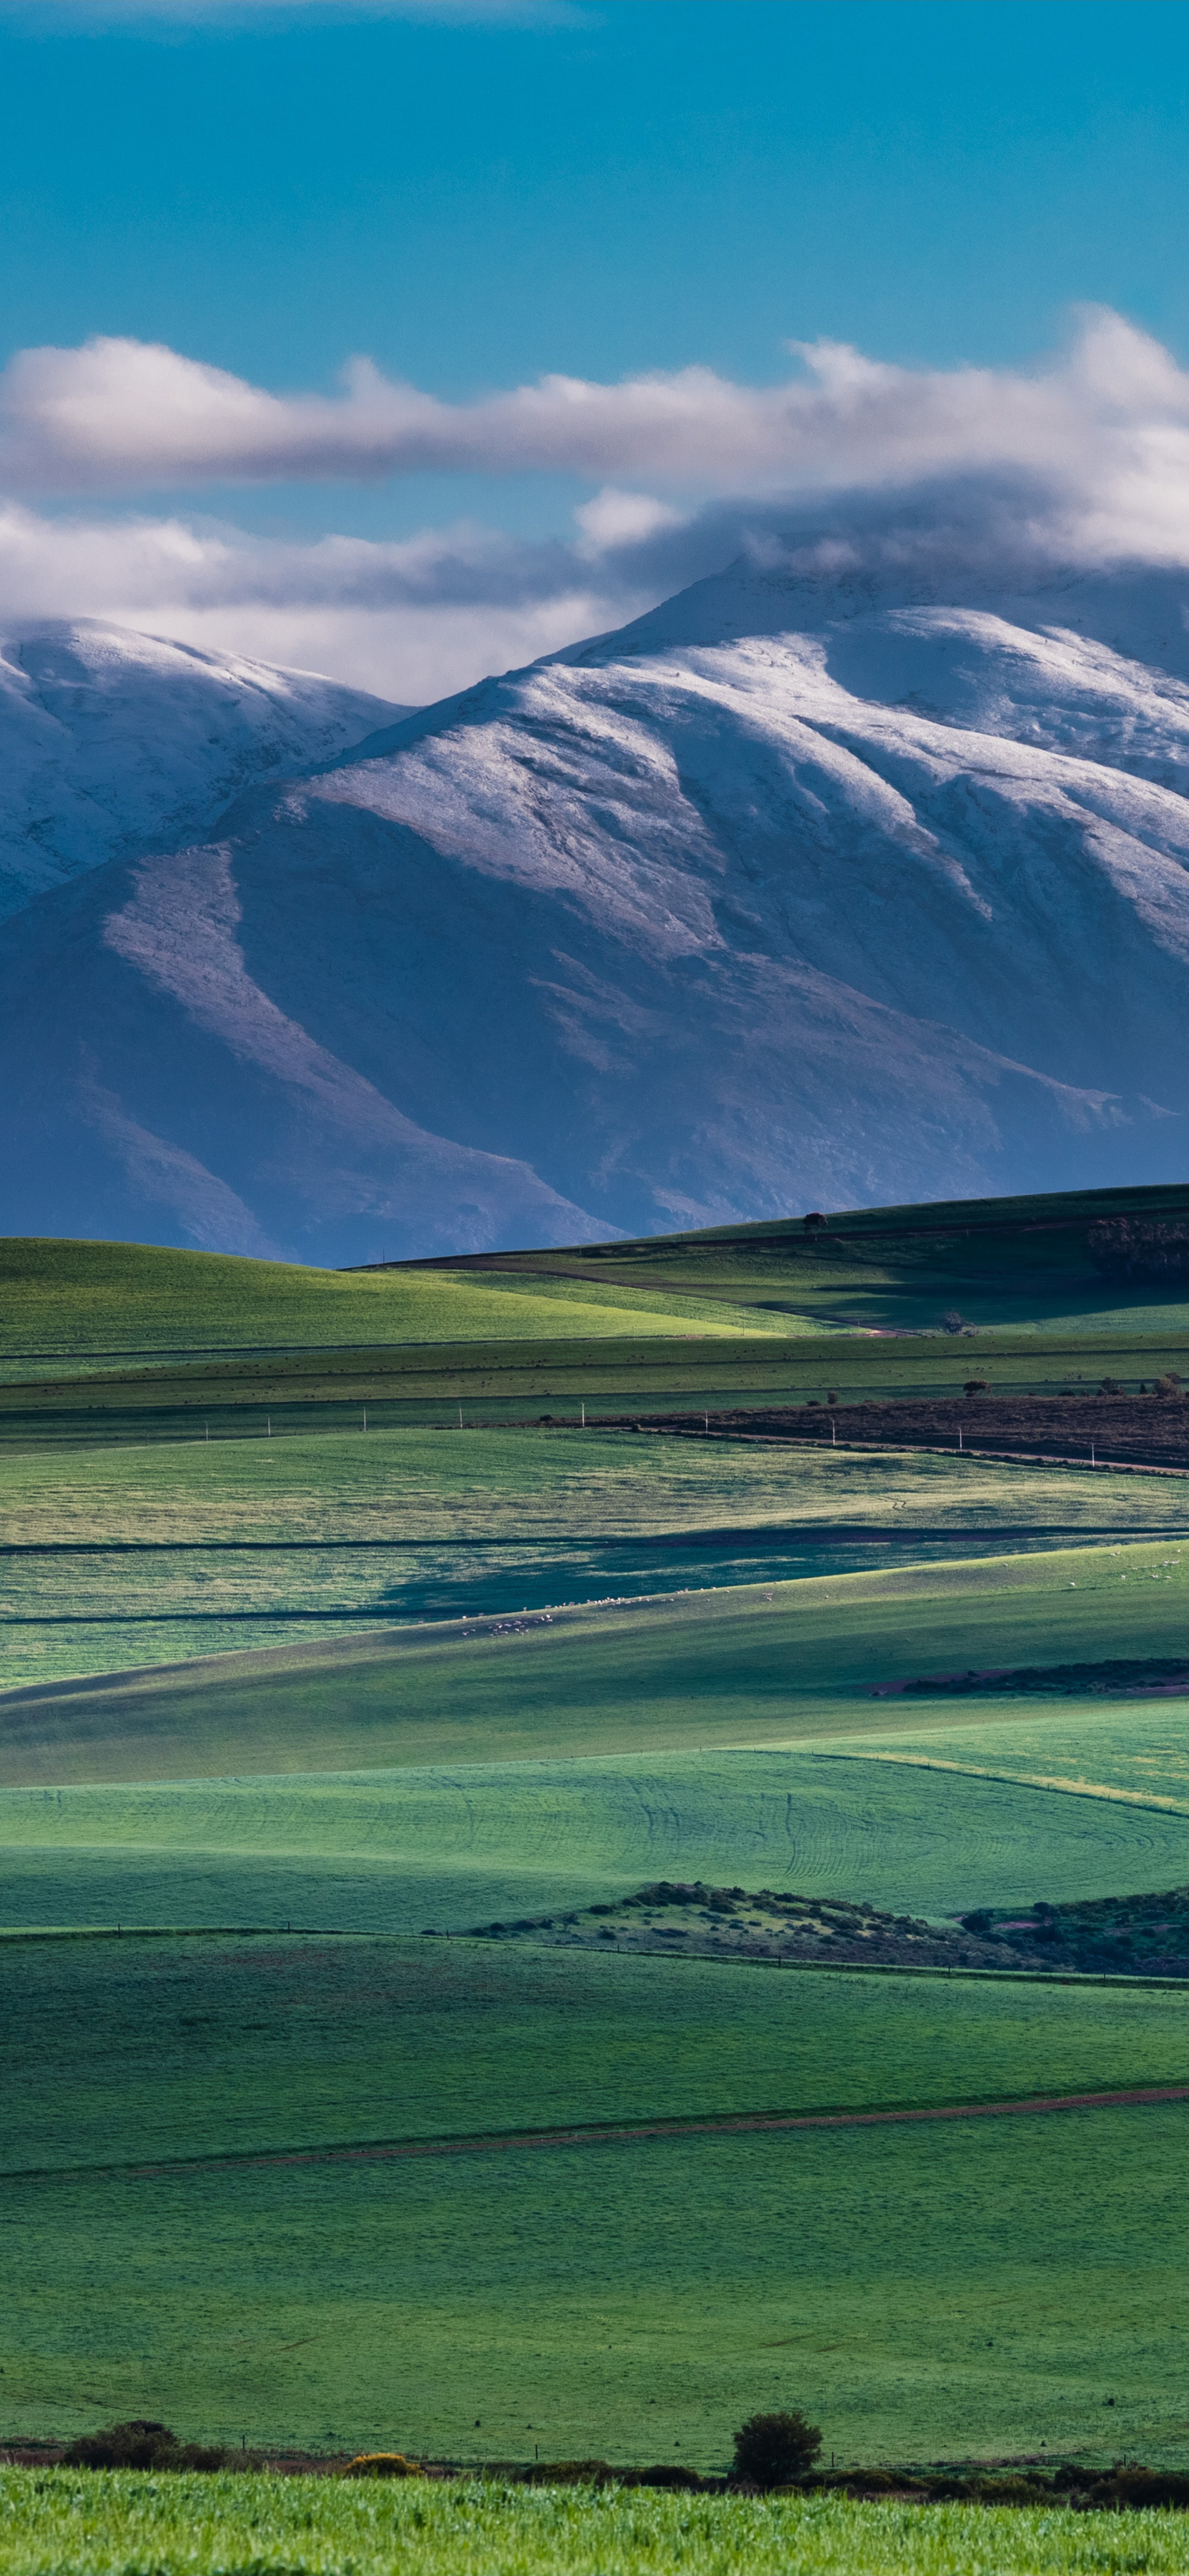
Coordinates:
491 1672
935 2290
449 1845
1000 1261
325 2301
60 1300
118 1557
137 2051
738 1665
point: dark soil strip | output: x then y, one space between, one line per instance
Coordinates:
1055 1430
739 2124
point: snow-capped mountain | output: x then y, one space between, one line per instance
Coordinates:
800 891
112 742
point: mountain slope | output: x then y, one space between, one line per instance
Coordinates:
796 892
111 741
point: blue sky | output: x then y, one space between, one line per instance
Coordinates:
474 200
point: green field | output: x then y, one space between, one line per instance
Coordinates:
984 2276
370 1683
179 2525
743 1664
990 1262
976 2286
74 1300
469 1843
136 2050
150 1554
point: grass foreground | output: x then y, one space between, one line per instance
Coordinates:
120 2523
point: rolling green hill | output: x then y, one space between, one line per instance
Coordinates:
270 1669
734 1666
999 1261
154 1552
976 2286
63 1301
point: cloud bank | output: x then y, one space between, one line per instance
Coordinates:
1085 459
1110 415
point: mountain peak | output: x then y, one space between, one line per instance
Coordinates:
112 740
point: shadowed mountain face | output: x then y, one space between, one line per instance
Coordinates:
792 894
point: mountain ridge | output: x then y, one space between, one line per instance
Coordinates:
679 927
130 739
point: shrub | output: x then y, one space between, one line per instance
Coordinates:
1137 2487
663 2475
773 2450
141 2444
977 1386
1127 1249
381 2464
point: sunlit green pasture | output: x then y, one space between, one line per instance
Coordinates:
1130 1748
461 1843
745 1664
924 2291
63 1299
118 1557
180 2525
994 1263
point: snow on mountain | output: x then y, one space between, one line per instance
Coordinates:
112 742
799 891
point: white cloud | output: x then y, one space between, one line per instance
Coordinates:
1109 419
411 621
622 518
861 468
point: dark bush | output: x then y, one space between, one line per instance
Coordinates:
1127 1249
664 2475
1133 2487
141 2444
773 2450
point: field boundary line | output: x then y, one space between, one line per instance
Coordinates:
12 1935
1103 1796
597 2134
